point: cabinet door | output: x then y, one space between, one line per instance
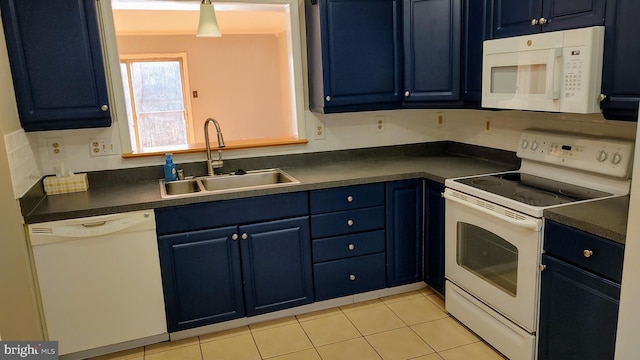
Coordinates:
276 265
404 231
513 17
571 14
354 53
56 63
434 239
578 313
201 277
432 30
620 71
474 32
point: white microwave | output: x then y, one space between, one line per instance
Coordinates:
558 71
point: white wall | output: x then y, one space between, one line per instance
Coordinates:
350 131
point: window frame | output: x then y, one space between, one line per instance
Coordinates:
116 89
186 89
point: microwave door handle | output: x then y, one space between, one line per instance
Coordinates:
554 75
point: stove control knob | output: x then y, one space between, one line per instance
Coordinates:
616 158
602 156
534 145
525 144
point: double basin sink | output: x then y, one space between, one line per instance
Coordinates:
207 185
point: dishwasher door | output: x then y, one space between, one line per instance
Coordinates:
99 281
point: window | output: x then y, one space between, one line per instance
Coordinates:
250 79
157 106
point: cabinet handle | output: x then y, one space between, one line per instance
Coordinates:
542 267
407 93
543 21
234 237
349 198
534 22
328 98
245 236
352 277
104 108
351 246
587 253
602 97
350 222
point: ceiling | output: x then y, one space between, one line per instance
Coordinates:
136 17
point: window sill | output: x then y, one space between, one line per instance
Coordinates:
200 147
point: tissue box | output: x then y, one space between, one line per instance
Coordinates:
61 185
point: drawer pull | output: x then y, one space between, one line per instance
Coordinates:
587 253
245 236
234 237
349 198
351 246
352 277
350 222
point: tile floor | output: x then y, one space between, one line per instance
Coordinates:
413 325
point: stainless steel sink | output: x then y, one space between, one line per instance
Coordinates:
251 180
180 187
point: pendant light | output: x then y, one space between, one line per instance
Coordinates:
208 25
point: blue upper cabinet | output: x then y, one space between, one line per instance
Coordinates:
353 54
522 17
474 32
620 70
432 33
57 65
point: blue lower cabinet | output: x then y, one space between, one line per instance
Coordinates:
578 313
276 265
201 277
404 222
434 237
234 270
349 276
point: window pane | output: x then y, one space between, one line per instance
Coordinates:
157 87
489 256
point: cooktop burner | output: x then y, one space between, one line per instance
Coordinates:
532 190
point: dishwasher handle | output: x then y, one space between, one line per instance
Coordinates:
66 230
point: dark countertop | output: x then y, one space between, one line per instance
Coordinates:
606 218
124 190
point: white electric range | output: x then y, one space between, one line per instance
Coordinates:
493 230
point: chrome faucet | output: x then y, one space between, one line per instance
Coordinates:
211 164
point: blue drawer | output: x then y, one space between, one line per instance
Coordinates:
349 276
345 246
605 257
347 222
345 198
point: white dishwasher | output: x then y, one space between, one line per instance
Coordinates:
99 281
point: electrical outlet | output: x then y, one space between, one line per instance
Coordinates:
380 122
318 130
488 128
440 119
55 148
101 147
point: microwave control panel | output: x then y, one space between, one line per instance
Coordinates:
574 61
602 155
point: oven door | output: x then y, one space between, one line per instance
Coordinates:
493 253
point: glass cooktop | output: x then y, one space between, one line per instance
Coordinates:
532 190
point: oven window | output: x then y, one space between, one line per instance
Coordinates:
488 256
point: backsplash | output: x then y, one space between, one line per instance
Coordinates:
496 129
22 162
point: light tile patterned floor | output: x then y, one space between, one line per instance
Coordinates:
413 326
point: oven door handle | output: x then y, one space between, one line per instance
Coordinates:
531 224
